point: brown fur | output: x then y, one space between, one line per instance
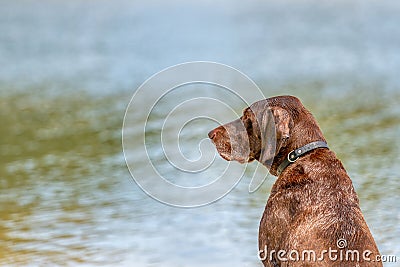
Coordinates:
312 203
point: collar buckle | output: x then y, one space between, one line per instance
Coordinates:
292 157
297 153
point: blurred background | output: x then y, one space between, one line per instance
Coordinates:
69 69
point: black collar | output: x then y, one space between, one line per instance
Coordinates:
295 154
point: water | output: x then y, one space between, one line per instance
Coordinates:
70 68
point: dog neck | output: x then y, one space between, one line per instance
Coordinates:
300 129
295 154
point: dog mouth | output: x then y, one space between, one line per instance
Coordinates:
224 149
225 156
226 153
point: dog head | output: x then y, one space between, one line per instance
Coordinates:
267 131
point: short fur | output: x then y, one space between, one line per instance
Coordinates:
312 204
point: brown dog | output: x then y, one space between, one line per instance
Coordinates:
312 217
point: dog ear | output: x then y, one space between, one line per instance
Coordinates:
275 127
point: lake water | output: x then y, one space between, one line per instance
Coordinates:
69 70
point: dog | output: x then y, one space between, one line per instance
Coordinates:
312 216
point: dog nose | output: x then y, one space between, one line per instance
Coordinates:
212 134
217 131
